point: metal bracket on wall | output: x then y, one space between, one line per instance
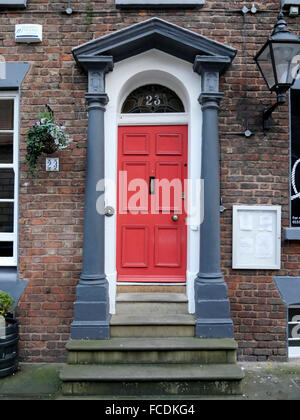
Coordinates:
68 10
247 133
253 10
222 208
281 99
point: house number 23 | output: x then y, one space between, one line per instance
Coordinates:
150 100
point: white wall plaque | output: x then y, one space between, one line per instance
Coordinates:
256 237
52 164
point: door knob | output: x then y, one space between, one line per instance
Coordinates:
109 211
175 218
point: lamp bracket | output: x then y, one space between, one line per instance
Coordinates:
281 99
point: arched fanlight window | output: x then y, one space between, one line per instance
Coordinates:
152 99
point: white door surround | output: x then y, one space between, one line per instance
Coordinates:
150 67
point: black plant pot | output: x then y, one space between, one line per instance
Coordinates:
9 348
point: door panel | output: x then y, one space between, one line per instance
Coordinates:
152 167
136 144
137 255
132 199
169 186
169 144
167 246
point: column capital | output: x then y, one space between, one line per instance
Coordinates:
210 69
210 100
96 67
102 63
97 100
204 64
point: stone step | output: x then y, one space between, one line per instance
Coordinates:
148 379
145 320
152 297
178 325
138 308
151 303
156 288
152 350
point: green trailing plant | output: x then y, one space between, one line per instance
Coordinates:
89 17
6 304
45 136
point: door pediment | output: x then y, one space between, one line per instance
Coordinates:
153 33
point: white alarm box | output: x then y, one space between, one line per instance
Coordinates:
29 33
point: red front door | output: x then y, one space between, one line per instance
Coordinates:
151 230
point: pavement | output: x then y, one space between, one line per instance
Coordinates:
263 381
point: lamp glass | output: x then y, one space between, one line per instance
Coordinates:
286 59
264 61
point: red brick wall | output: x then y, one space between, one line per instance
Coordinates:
253 170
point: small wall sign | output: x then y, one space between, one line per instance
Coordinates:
256 237
52 164
28 33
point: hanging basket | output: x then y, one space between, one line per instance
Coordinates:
44 137
50 146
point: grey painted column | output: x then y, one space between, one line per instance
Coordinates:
91 309
211 302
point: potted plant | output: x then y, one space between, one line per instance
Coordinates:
45 136
9 336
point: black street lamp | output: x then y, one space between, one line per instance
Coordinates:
278 62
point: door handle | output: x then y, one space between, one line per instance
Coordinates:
175 218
